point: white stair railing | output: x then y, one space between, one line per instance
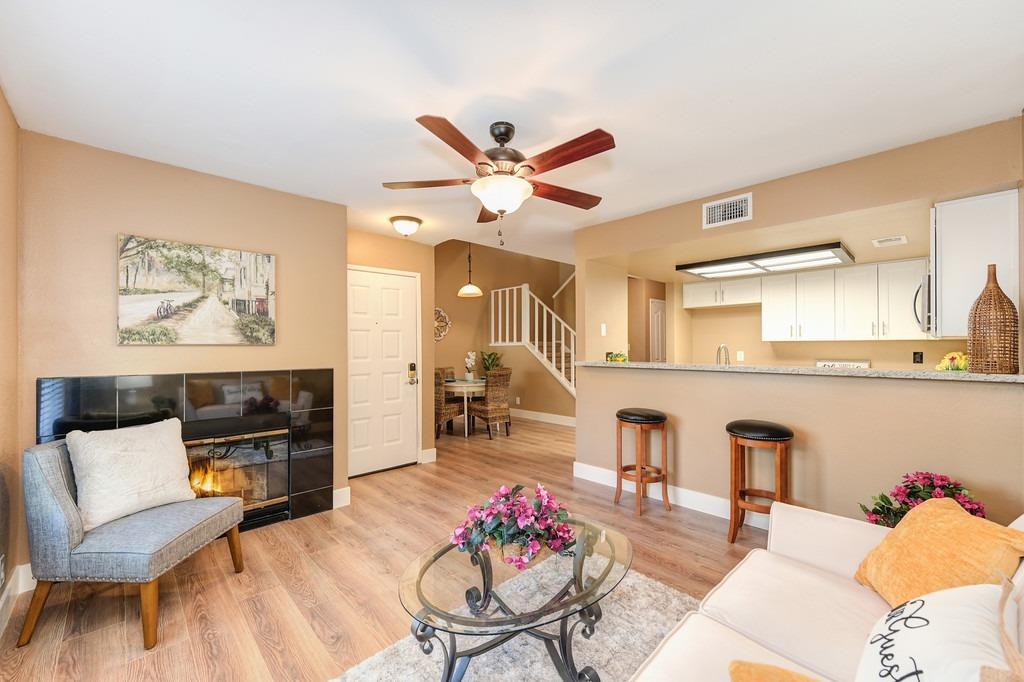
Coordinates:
520 318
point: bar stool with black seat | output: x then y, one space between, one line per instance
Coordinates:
642 420
754 433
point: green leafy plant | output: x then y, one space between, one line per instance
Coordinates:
490 360
256 329
153 334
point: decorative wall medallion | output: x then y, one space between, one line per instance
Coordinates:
441 324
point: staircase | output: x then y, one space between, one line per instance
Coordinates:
519 318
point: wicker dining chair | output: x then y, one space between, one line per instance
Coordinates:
445 411
493 409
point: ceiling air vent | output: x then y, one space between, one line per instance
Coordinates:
729 210
883 242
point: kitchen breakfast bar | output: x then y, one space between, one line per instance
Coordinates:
856 431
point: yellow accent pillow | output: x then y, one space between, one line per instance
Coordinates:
745 671
200 393
939 545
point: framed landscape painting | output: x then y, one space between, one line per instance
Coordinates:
172 293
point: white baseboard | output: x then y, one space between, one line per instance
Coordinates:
427 456
21 580
684 497
342 497
560 419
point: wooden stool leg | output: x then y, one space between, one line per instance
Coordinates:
741 451
640 486
664 467
618 460
782 471
35 608
734 488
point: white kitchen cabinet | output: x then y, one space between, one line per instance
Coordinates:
968 234
778 308
816 305
901 299
857 303
701 294
741 291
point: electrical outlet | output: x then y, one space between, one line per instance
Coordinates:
517 400
918 357
740 355
604 329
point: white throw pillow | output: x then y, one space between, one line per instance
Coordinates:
123 471
945 636
237 394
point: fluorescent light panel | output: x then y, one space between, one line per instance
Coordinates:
816 256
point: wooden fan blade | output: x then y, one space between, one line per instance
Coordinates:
486 216
451 136
564 196
594 142
416 184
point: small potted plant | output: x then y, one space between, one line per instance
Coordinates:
915 488
954 362
516 526
470 363
490 360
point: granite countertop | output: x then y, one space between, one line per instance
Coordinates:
817 371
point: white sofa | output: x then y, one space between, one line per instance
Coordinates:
795 605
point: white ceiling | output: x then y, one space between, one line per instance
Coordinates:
318 97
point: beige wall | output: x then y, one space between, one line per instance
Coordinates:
74 201
739 327
536 389
854 437
397 253
10 483
605 300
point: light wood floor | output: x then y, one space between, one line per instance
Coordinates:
319 594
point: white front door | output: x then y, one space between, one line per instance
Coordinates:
383 339
657 349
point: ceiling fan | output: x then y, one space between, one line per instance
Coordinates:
504 175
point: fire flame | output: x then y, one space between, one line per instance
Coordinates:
204 480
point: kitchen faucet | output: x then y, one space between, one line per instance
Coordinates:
718 355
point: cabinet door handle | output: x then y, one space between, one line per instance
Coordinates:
873 327
884 329
790 331
800 330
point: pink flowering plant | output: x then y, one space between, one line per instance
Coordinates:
517 526
915 488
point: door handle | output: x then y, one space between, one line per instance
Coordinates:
413 380
917 317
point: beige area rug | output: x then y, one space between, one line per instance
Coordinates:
636 617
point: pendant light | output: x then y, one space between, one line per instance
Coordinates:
470 290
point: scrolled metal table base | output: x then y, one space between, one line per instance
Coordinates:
559 646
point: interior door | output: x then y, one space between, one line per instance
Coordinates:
857 303
778 308
657 331
383 339
816 305
901 298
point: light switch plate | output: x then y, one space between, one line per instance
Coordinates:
740 355
604 329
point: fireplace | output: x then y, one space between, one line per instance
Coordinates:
264 436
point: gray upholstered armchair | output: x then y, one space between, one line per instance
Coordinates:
133 549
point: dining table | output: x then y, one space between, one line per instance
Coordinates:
466 389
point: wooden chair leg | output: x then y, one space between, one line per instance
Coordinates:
734 488
235 546
437 431
149 594
508 428
490 436
618 460
664 467
35 608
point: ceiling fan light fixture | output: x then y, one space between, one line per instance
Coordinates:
501 193
405 225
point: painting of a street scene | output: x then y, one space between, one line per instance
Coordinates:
172 293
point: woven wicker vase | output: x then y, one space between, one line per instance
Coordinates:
992 328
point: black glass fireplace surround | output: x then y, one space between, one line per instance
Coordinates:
267 437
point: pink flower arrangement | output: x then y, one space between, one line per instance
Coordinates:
915 488
509 519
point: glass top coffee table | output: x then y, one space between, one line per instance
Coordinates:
449 593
